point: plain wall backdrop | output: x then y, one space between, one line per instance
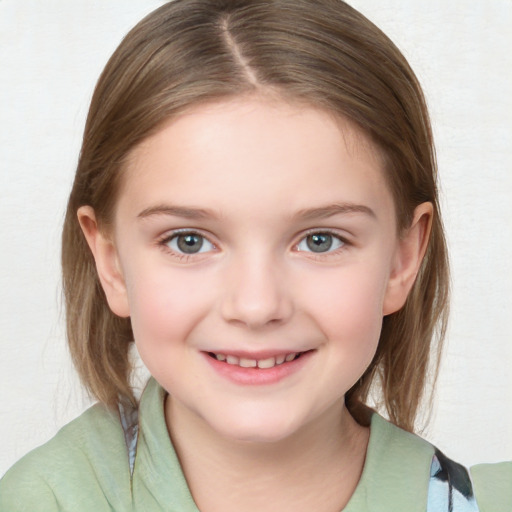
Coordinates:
51 53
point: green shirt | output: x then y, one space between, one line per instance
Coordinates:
86 467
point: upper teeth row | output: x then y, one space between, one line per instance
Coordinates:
253 363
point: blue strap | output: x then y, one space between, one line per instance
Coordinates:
130 423
450 488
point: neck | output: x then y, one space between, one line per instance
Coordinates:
324 460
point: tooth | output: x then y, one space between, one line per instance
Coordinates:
280 359
232 360
267 363
220 357
248 363
290 357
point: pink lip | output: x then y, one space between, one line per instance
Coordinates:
257 376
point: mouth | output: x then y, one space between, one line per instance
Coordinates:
264 364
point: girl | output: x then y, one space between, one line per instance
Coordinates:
255 207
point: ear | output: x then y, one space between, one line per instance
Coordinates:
409 254
107 262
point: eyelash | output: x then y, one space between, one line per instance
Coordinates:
163 243
322 255
181 256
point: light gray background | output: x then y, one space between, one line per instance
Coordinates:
51 53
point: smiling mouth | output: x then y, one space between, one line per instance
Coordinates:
263 364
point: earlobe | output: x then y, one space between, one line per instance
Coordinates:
107 262
410 251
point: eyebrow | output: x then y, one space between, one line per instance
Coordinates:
324 212
177 211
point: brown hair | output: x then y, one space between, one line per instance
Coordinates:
323 52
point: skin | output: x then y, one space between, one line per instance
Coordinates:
255 177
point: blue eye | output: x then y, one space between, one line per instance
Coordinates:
189 243
320 243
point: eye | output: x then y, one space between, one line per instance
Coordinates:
320 242
189 243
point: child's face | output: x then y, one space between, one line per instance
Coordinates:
256 230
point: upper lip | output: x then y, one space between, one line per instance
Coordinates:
257 355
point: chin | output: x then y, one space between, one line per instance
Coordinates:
254 429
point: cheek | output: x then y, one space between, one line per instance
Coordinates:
348 304
165 304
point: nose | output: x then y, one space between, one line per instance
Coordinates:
256 293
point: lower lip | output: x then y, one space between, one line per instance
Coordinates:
258 376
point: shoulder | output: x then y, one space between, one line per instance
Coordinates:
493 486
405 472
84 467
400 451
396 471
420 471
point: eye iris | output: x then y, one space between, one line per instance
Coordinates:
190 244
319 242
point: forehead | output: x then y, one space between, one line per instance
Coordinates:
261 108
252 146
